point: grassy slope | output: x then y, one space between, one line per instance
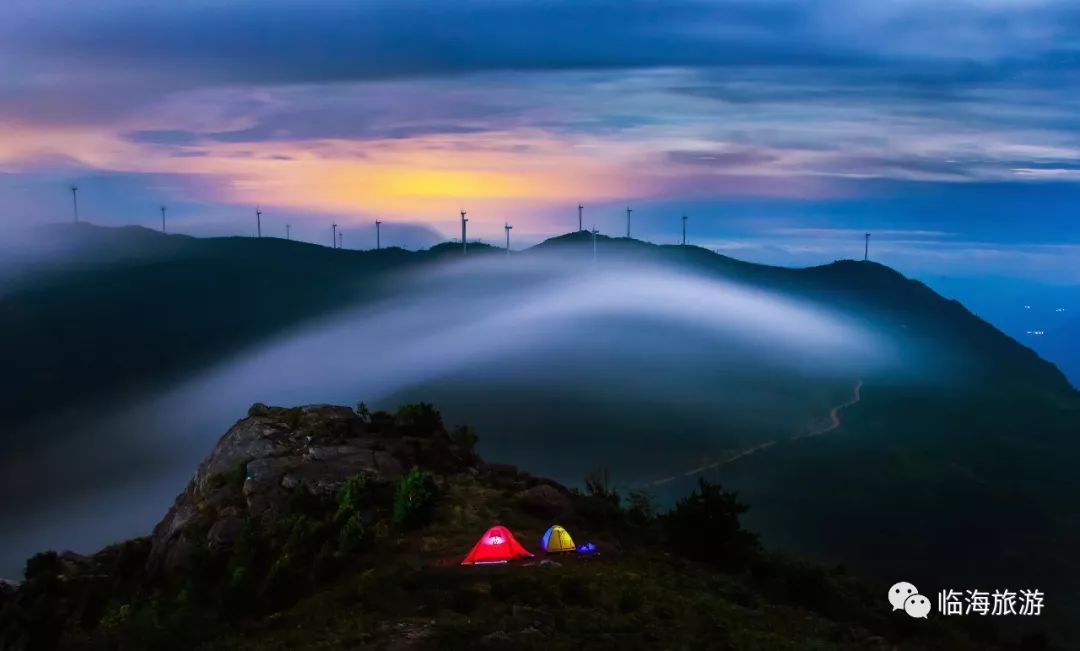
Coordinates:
634 594
405 589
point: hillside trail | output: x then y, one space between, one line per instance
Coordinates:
834 423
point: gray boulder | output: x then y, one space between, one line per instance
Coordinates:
263 461
546 501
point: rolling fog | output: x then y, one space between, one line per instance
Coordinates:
561 367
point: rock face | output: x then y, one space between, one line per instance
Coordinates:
275 454
545 500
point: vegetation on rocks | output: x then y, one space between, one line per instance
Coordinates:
335 546
415 499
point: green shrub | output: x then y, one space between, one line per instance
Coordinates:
234 478
116 618
293 417
353 497
354 535
44 565
464 437
705 526
363 412
414 502
286 581
131 560
248 552
598 485
302 501
639 508
418 419
301 533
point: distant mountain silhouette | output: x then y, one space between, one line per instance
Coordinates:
957 477
111 309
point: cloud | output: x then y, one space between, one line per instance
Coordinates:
900 116
918 50
722 159
163 136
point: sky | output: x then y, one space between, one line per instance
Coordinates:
784 130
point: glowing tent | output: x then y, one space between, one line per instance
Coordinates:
497 545
556 540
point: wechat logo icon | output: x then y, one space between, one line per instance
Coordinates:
905 596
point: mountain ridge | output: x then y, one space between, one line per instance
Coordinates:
242 279
977 439
292 532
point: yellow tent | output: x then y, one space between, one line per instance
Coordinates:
556 540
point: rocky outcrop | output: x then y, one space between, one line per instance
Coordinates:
275 454
545 500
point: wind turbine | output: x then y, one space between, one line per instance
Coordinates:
628 211
333 236
258 222
341 239
866 249
507 227
463 222
75 201
378 235
684 229
579 209
163 219
594 232
287 228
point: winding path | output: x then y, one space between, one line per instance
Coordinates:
834 414
834 422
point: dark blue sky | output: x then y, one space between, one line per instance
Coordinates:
784 129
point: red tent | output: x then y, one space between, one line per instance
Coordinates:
497 545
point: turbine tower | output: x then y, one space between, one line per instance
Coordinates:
684 229
75 201
378 235
507 228
579 209
341 239
866 249
287 228
463 240
628 211
163 219
333 236
258 222
594 232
